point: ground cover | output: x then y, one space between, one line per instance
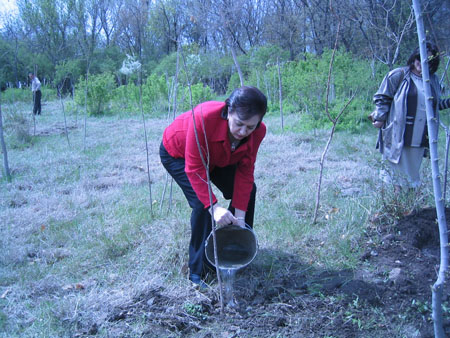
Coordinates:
84 255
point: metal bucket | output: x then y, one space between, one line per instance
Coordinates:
236 247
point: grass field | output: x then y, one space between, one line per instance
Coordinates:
81 237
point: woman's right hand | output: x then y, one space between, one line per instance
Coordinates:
378 124
223 216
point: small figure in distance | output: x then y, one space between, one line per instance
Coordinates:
230 133
401 116
36 89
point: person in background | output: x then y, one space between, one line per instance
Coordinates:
36 89
401 116
229 134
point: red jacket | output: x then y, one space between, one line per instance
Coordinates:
179 141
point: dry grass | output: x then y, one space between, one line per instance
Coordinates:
79 243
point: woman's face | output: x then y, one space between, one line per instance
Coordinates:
417 67
240 129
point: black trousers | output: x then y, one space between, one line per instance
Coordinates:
223 179
37 102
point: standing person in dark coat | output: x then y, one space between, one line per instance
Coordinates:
36 89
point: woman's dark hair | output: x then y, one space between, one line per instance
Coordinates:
246 102
433 60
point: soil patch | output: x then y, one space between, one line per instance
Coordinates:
278 295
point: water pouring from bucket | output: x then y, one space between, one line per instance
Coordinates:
236 248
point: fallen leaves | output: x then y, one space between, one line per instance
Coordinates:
330 213
4 294
73 287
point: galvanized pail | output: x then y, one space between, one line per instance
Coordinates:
236 247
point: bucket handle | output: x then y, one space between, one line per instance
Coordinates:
227 225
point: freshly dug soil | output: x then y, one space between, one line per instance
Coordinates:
278 295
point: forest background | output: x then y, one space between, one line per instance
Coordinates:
82 254
63 41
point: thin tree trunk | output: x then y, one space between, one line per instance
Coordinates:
85 107
64 114
163 196
205 162
146 141
72 86
175 91
280 91
267 84
334 121
447 147
169 93
236 63
437 289
2 140
447 141
257 78
173 95
34 102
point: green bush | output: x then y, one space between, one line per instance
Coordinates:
200 93
127 97
100 91
48 94
12 95
305 84
17 128
154 94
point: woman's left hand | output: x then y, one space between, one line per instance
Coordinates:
240 217
240 221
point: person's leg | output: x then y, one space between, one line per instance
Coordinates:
406 173
223 178
38 102
34 103
200 217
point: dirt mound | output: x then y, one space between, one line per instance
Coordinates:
409 256
279 295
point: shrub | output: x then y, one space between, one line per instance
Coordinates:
304 88
154 94
100 92
127 96
12 95
200 93
17 128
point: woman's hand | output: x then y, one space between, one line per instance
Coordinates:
240 217
223 216
378 124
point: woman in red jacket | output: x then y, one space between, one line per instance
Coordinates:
229 134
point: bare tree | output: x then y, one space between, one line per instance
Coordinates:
383 25
134 18
280 93
172 97
205 161
2 140
34 102
109 18
334 121
447 139
86 20
64 112
284 26
432 121
47 26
